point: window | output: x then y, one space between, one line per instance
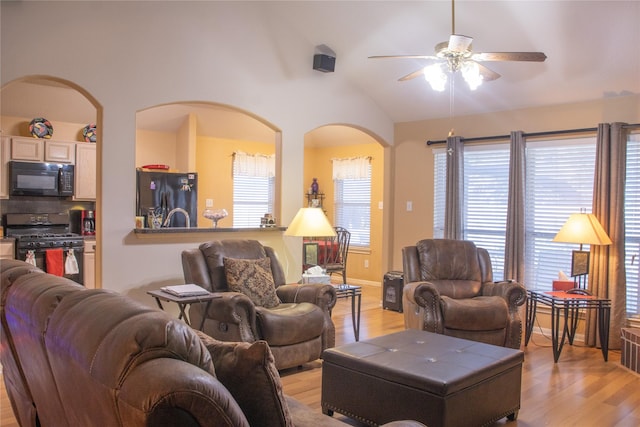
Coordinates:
352 204
632 225
252 198
253 188
559 182
486 188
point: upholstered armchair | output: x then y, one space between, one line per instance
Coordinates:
449 290
255 302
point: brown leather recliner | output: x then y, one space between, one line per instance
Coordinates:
449 290
297 330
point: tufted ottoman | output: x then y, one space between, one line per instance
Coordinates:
435 379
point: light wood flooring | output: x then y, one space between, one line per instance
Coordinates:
580 390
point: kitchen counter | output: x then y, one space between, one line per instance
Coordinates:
175 230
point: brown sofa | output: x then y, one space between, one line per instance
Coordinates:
298 328
73 357
449 289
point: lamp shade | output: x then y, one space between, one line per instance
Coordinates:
310 222
582 228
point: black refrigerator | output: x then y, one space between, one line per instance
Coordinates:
162 192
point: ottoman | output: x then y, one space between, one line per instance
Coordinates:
435 379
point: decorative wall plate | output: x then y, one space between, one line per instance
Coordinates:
89 132
40 128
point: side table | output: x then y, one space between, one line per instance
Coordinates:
183 302
353 291
568 305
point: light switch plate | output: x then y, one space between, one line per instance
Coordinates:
208 203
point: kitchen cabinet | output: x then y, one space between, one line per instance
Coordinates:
28 149
7 249
59 151
41 150
85 171
89 264
5 156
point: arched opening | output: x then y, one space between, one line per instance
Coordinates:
366 261
70 108
202 137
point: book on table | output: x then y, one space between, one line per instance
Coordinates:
188 290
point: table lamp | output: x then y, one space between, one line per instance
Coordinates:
582 228
310 222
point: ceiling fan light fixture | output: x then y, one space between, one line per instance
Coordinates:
471 73
436 76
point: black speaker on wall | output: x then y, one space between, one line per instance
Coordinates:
324 63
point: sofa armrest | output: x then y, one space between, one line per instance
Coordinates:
426 296
168 391
513 292
232 317
322 295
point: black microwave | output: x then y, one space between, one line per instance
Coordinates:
40 179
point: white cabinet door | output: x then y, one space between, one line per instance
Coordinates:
7 249
5 156
85 172
89 264
59 152
29 149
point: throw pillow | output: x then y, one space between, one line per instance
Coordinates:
253 278
249 372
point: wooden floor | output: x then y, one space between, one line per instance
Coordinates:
580 390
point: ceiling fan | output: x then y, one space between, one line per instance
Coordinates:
457 55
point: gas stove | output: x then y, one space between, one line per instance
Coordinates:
39 236
42 231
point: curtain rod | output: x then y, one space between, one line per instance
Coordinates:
531 134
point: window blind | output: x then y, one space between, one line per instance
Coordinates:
253 196
632 224
439 191
352 208
559 182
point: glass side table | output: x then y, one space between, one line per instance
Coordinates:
567 306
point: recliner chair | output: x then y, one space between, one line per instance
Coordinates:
449 290
297 330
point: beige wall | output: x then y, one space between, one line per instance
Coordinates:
318 164
413 168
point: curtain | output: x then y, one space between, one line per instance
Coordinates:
351 168
455 173
515 235
260 165
607 275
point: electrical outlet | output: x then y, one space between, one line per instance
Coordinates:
208 203
366 263
409 206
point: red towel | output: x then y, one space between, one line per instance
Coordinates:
54 263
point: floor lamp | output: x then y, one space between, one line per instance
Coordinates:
310 222
582 228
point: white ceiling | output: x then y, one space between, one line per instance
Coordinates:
593 50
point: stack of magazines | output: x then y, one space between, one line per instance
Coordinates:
189 290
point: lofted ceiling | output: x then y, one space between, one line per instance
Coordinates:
592 50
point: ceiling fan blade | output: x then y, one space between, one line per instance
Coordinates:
487 74
403 57
413 75
509 56
459 43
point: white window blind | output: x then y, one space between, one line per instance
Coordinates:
439 191
559 182
352 207
253 188
486 193
632 224
486 188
